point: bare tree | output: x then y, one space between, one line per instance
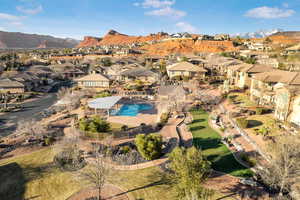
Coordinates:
31 128
71 99
283 171
96 173
62 92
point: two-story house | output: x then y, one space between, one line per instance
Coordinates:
186 69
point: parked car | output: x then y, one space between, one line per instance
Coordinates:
248 182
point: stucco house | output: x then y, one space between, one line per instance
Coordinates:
294 49
139 73
287 107
273 62
263 85
93 81
186 69
240 75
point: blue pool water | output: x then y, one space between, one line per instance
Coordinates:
132 109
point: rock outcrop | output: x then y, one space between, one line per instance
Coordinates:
188 47
89 41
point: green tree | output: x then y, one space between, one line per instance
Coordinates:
190 169
268 40
184 59
163 67
106 62
149 146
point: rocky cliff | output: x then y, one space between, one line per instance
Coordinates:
188 46
89 41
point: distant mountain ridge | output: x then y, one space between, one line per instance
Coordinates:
258 34
24 40
292 34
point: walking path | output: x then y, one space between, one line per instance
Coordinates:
240 137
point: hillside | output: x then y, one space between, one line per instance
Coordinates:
288 38
188 46
292 34
23 40
115 38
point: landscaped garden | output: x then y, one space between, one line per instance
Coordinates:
264 125
240 99
209 141
97 128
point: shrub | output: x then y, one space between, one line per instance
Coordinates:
124 128
259 111
69 160
185 78
249 160
149 146
49 141
242 122
263 130
125 149
164 118
94 125
83 124
103 94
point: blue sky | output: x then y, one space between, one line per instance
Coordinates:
77 18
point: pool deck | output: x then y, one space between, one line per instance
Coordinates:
146 116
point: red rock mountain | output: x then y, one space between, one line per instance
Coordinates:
185 46
188 47
89 41
115 38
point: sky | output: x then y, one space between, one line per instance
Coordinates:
79 18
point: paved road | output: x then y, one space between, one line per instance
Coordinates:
31 110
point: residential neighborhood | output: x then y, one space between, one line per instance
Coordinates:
187 114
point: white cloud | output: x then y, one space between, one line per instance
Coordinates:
269 12
167 12
155 3
9 17
16 23
2 29
186 27
30 11
285 5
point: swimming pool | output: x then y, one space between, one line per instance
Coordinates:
133 110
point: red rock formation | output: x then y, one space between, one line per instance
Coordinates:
89 41
115 38
188 46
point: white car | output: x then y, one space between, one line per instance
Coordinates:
248 182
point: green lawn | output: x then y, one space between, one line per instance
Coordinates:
242 99
208 140
267 121
33 176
